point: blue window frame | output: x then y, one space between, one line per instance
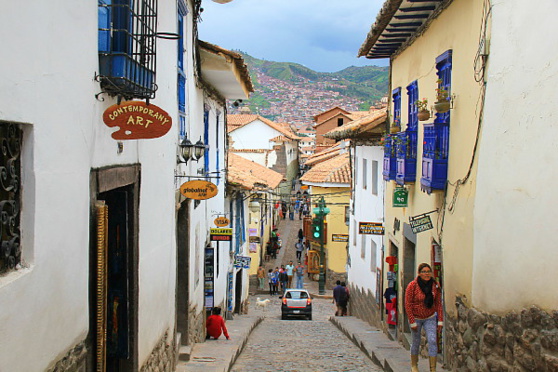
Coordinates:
406 151
127 47
239 231
181 75
217 158
396 96
206 140
390 160
436 136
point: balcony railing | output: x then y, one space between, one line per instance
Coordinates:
390 159
435 157
406 152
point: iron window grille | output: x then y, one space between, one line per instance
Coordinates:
10 195
127 47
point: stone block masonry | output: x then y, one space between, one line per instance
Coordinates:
518 341
162 357
363 305
74 361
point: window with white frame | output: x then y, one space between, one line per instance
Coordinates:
374 177
364 174
363 246
373 247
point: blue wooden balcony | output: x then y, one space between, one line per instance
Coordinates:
390 159
406 153
435 157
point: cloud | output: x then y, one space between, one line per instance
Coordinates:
323 35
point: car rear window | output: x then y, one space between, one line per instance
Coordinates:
297 295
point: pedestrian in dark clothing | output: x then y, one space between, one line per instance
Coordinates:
299 248
340 298
283 278
300 235
284 209
345 304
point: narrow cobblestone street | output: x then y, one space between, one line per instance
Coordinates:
298 344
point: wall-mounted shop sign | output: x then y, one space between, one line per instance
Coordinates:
220 235
339 237
242 261
420 223
137 120
198 189
222 221
371 228
400 197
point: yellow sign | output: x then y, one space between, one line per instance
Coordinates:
339 237
222 221
372 228
198 190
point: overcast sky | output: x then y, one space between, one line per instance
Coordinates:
324 35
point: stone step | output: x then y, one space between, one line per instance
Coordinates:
184 353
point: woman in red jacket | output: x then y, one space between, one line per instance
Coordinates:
423 304
215 323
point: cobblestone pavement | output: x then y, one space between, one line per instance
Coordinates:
298 345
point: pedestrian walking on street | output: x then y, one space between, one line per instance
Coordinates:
272 280
339 298
347 299
215 325
261 277
423 305
300 235
283 279
284 209
299 248
299 272
290 269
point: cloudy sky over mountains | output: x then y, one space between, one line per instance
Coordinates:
324 35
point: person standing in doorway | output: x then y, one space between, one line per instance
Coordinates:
423 305
299 272
290 269
261 277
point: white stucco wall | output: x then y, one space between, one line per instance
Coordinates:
47 84
515 210
255 135
367 207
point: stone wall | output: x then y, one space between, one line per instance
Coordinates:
74 361
196 325
362 305
162 357
332 277
525 341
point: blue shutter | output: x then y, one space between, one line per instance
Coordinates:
217 170
206 141
396 96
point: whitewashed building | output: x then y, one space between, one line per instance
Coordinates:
90 240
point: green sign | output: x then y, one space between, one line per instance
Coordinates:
400 197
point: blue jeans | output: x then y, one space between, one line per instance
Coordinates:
430 328
299 282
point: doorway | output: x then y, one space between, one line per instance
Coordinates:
408 273
238 292
182 297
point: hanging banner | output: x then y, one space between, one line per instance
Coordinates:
400 197
198 190
371 228
137 120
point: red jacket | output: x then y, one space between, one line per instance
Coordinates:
414 303
214 325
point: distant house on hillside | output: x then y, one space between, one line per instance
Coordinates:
265 142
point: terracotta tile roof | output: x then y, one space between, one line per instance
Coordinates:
248 174
373 122
335 170
326 111
235 121
324 155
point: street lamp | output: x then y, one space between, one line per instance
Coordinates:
321 211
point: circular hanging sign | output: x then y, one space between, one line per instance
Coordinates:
198 190
137 120
222 221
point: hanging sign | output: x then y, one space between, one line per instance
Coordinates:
420 223
198 190
371 228
242 261
400 197
137 120
220 235
339 237
222 221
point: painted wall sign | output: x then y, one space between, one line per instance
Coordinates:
220 235
339 237
198 189
400 197
137 120
222 221
371 228
420 223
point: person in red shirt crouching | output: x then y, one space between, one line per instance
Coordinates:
215 324
423 305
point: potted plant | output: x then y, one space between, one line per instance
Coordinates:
423 112
395 126
442 103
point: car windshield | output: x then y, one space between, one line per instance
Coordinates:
297 295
